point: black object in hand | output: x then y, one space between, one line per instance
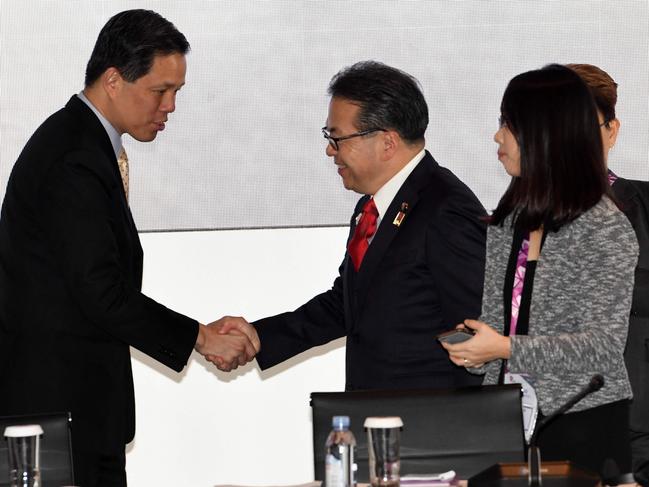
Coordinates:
458 335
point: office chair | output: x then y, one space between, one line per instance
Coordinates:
56 448
466 429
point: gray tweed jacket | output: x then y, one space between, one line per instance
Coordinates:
579 311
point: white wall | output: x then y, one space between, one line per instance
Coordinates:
204 427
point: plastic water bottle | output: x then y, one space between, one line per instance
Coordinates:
340 468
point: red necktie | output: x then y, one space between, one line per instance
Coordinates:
364 231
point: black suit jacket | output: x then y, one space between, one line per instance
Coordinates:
634 199
70 277
417 280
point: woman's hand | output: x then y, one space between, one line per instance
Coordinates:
486 345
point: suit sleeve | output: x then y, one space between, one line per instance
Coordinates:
455 247
317 322
80 226
492 297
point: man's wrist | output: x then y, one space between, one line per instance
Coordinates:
200 337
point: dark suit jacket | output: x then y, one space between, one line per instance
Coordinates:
634 199
417 280
70 277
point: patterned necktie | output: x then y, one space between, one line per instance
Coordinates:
122 162
364 231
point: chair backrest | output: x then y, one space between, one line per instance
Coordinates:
466 429
56 447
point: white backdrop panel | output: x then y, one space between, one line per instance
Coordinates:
244 150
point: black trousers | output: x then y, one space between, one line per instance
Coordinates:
96 470
97 462
640 453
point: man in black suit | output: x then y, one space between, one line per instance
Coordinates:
412 270
71 260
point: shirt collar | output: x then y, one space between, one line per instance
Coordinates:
113 135
384 196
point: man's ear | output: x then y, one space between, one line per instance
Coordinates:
391 142
112 82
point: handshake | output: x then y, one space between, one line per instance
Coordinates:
228 342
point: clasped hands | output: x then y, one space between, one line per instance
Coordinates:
228 342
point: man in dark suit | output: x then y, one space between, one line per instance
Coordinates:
71 260
415 260
634 200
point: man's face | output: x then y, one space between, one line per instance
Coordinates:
141 108
357 159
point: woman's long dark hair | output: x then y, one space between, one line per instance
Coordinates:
553 117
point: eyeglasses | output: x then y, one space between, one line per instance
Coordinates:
333 141
605 123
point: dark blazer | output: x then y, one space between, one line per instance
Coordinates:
417 280
70 300
634 200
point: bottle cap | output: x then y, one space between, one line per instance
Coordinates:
340 422
383 422
23 431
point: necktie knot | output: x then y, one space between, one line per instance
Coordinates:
365 230
369 208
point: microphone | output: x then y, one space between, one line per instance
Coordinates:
533 453
595 384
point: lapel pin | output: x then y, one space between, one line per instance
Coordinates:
400 215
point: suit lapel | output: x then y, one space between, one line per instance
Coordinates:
409 195
99 136
349 274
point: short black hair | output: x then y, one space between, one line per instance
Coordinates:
388 98
129 42
553 117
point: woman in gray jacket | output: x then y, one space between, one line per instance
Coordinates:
559 274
